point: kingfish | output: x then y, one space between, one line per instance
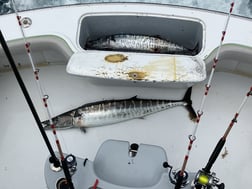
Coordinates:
138 43
113 111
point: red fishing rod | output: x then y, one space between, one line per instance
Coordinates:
181 176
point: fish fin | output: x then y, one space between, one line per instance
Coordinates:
192 113
157 36
195 50
65 128
77 113
156 50
112 38
134 98
83 129
187 99
141 118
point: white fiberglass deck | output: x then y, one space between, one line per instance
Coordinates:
23 152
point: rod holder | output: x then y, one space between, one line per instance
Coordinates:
180 180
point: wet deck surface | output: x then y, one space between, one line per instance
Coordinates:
23 152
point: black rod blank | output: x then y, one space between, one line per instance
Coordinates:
53 158
214 154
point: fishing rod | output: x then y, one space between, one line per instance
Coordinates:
53 159
181 176
204 178
36 75
43 96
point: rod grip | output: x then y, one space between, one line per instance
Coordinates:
214 154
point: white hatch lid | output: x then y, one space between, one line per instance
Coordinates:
138 67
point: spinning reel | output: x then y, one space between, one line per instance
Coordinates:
205 180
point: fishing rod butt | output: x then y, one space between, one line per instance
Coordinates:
55 162
69 167
62 184
68 184
180 179
179 182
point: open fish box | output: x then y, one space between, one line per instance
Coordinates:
180 31
149 50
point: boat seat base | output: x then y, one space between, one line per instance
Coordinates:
119 165
116 163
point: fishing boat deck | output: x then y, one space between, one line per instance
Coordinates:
23 152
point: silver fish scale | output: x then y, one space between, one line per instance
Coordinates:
118 111
114 111
144 43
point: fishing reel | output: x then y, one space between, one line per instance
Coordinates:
205 180
175 174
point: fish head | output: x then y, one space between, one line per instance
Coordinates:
100 43
64 121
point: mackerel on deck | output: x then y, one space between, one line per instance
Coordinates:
113 111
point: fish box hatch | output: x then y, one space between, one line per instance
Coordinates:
140 33
145 68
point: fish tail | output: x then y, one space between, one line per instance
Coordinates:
190 109
195 50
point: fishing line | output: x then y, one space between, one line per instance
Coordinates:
192 137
